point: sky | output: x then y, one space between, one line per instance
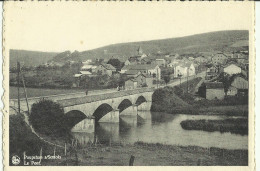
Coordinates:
60 26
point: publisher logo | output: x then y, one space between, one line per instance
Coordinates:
16 160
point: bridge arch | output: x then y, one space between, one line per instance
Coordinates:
140 100
73 117
124 104
101 111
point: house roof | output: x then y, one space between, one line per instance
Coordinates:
147 59
108 66
77 75
133 59
85 73
231 64
132 79
200 57
131 72
240 83
214 85
244 61
184 65
160 59
88 66
141 74
139 67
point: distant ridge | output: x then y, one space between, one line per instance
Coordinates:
205 42
29 58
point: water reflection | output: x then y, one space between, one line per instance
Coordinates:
106 132
162 128
84 138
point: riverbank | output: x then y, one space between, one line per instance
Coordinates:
148 154
176 100
234 125
234 110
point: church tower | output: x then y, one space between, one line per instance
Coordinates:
140 51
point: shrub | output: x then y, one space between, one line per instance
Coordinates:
47 117
163 99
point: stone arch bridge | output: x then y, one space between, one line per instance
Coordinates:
99 108
106 107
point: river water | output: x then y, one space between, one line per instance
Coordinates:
161 128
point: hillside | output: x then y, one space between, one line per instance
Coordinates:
29 58
206 42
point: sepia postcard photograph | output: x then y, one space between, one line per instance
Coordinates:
128 84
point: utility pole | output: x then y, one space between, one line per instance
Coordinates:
179 76
187 80
24 88
157 77
18 86
180 81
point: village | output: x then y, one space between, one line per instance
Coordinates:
226 74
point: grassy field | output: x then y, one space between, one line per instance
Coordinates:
148 154
36 92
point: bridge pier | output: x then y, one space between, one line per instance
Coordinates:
131 110
112 117
146 106
86 125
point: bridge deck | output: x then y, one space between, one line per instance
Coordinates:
94 98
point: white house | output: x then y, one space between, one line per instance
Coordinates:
184 70
232 69
192 70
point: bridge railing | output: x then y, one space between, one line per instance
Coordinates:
94 98
58 96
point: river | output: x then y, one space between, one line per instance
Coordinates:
161 128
